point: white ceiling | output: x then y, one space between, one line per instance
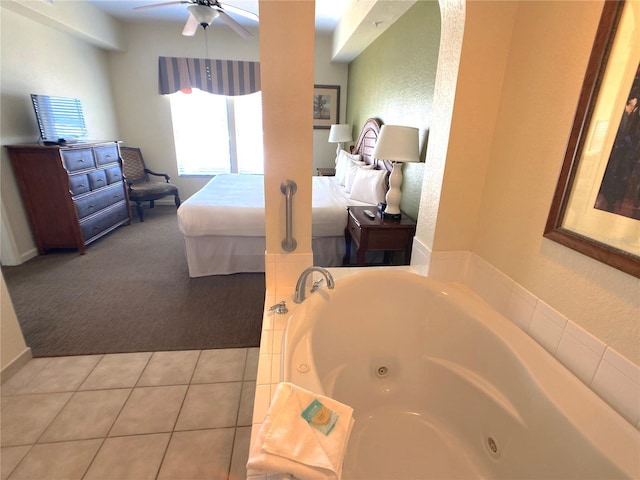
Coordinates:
328 12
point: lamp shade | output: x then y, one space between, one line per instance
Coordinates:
205 15
339 133
397 144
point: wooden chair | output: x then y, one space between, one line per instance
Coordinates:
141 188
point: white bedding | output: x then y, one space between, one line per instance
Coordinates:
233 205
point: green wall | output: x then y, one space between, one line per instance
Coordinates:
393 80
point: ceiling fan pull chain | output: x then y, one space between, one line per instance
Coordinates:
206 52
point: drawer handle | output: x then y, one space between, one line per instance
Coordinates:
81 185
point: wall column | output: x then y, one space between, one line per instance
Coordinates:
286 54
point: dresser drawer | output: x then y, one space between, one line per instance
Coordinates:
77 159
96 225
79 184
354 229
106 155
97 179
98 200
114 175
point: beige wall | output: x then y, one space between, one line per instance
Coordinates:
477 100
40 59
502 157
287 123
119 94
505 154
327 72
490 178
144 116
12 342
540 92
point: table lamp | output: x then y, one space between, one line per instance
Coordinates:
339 134
397 144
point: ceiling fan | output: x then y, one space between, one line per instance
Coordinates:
203 12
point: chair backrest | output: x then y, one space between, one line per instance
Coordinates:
133 165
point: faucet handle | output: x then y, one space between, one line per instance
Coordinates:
316 285
280 308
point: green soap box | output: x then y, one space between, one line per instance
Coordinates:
320 417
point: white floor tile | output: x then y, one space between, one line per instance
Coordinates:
150 410
121 370
65 460
198 455
131 416
129 458
87 415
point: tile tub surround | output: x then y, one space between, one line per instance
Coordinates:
184 414
610 375
606 372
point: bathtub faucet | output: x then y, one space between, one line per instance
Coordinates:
300 294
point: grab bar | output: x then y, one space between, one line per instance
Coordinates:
288 188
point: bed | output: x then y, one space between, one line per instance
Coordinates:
223 223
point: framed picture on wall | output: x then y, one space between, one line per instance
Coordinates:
326 105
596 206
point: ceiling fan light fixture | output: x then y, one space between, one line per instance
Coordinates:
204 15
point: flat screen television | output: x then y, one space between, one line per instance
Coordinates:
60 119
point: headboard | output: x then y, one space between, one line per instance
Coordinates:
366 143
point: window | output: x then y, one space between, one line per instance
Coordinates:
217 134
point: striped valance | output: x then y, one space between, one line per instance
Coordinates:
221 77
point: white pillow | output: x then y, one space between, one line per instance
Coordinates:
369 186
351 173
343 162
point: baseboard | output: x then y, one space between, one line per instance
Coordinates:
28 255
22 258
162 201
15 365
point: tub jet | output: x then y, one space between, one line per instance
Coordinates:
493 447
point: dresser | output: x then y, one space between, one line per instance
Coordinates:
72 194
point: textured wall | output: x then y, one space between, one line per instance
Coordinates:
478 89
393 80
539 94
503 106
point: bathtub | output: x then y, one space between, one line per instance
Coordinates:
442 386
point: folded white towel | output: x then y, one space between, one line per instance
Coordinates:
287 443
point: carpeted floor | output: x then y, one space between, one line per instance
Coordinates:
131 292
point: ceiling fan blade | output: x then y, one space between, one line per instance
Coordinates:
156 5
190 27
239 11
239 29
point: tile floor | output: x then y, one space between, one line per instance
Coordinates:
163 415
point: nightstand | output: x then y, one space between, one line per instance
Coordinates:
377 234
326 172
